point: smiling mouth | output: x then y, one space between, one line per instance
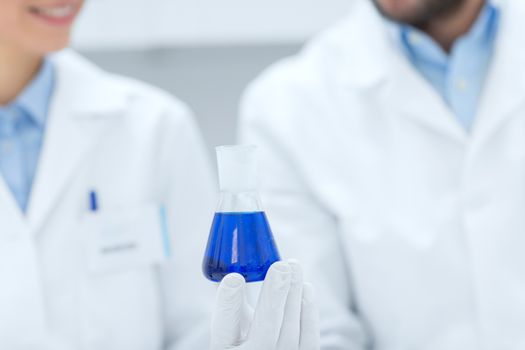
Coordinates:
54 12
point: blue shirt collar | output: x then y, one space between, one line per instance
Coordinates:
35 98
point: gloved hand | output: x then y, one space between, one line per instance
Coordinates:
286 317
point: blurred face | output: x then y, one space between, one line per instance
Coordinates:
416 11
37 26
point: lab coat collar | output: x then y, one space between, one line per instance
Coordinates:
371 59
360 42
373 64
86 87
11 216
504 89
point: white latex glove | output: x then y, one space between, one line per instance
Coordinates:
286 317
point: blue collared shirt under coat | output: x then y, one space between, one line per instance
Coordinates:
22 127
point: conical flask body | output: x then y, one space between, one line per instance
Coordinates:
240 237
240 242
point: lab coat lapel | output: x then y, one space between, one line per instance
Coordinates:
411 96
11 218
504 91
82 108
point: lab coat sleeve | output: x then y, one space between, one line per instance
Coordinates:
303 228
189 196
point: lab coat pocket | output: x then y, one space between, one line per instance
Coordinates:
125 238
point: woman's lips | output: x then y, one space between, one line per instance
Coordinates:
55 14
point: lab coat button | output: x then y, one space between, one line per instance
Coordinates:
414 38
462 84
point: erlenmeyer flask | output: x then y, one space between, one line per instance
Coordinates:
240 238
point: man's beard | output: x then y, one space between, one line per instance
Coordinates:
425 12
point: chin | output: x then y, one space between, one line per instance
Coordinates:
399 10
44 44
416 12
55 45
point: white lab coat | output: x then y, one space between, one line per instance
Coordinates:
138 148
412 229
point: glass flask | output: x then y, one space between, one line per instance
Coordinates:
240 237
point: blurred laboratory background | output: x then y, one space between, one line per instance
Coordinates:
203 51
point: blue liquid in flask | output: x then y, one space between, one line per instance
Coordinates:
241 243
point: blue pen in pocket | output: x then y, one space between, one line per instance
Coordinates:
93 201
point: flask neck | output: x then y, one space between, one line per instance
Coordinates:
239 202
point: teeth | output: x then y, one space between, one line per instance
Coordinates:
55 12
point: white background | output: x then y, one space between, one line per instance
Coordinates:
121 24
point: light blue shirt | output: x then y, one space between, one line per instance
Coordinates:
459 76
22 125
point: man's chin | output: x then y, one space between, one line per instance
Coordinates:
416 12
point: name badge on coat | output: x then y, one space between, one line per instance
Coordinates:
126 238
